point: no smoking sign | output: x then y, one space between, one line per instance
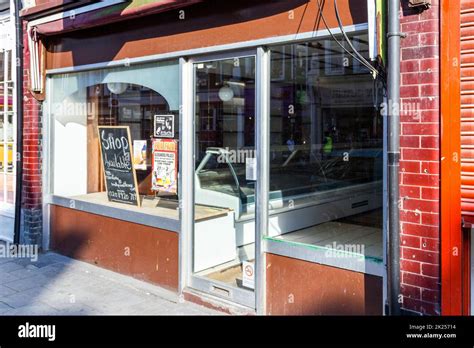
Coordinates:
248 274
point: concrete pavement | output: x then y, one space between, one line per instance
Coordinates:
6 227
58 285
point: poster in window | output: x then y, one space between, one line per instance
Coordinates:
357 66
301 62
139 154
335 58
164 126
165 166
278 64
116 155
315 64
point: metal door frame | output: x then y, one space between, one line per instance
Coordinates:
187 135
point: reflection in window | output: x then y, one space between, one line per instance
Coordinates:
224 229
115 104
326 146
127 96
225 126
122 104
7 129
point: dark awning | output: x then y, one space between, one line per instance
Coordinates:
111 14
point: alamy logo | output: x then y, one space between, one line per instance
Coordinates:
336 250
236 156
37 331
19 251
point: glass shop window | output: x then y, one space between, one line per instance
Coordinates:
326 160
134 103
7 130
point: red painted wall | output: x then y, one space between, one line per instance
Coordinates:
143 252
419 167
297 287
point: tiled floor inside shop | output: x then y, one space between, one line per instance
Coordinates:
333 234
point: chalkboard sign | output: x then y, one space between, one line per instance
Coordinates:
116 153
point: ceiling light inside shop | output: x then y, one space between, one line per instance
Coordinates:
117 87
226 93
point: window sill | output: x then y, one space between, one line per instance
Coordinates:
166 218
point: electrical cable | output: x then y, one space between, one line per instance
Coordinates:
341 27
374 71
378 74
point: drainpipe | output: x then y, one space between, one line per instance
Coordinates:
19 124
393 156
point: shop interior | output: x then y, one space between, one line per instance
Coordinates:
326 150
326 157
111 97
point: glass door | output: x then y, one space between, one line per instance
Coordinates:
223 238
7 145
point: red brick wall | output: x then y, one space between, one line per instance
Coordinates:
32 185
419 167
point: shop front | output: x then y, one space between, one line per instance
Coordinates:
238 163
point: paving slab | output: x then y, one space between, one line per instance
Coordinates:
58 285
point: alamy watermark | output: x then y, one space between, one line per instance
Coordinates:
404 108
19 251
236 156
78 109
28 330
336 250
